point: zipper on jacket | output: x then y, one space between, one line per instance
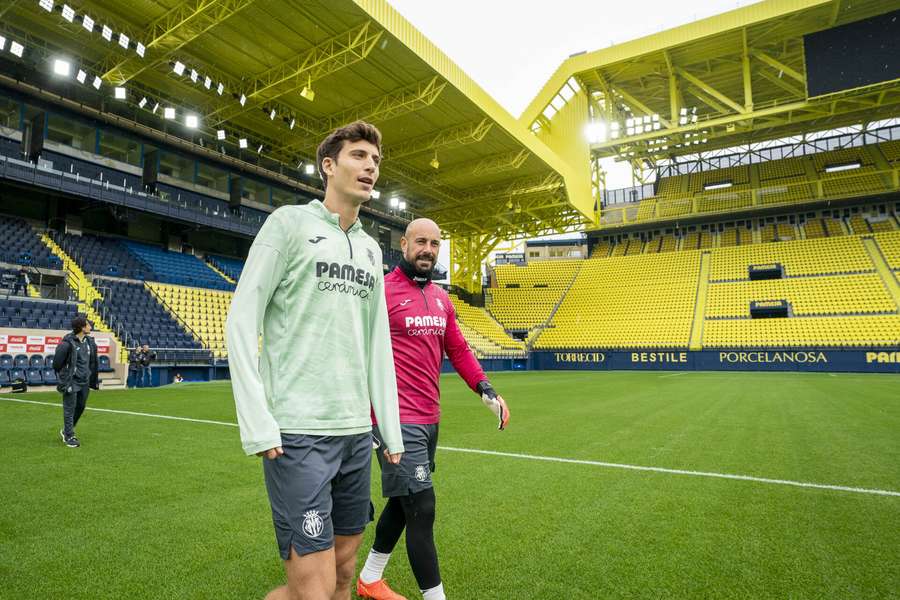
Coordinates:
421 289
348 243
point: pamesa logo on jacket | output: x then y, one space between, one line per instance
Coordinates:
344 279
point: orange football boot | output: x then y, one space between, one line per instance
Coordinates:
377 590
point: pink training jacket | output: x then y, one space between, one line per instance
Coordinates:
423 329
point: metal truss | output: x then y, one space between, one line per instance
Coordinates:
400 102
451 137
332 55
489 165
169 33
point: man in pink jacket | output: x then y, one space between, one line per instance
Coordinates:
423 329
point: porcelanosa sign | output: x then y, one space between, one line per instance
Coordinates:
41 344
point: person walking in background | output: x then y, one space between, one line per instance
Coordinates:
75 363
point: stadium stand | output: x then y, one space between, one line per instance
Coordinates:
203 310
860 331
889 243
100 255
132 308
485 335
177 268
230 267
22 246
525 296
627 302
31 313
808 296
799 257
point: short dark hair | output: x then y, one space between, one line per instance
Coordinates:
354 132
78 324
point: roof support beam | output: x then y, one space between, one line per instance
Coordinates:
635 103
708 100
772 62
397 103
786 86
745 68
489 165
332 55
675 99
171 32
458 135
708 89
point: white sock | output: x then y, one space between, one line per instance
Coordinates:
374 567
435 593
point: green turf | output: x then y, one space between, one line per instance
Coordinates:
152 508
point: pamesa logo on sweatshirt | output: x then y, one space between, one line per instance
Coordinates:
344 279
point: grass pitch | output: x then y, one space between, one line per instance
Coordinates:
157 508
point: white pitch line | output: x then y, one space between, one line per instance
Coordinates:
572 461
673 375
128 412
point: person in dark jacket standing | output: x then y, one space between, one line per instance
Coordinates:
146 358
75 363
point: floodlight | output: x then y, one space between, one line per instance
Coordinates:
293 122
81 76
191 121
97 81
120 93
124 40
46 5
87 23
178 67
309 169
220 134
17 49
143 102
717 186
842 167
376 194
194 75
62 67
259 150
106 34
402 205
155 108
307 91
169 113
242 143
243 100
68 13
272 115
207 82
220 89
435 163
140 49
2 42
394 201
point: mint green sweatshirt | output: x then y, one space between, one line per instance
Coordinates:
316 296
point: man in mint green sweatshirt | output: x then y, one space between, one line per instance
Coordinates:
312 287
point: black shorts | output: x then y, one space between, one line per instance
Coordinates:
413 474
319 488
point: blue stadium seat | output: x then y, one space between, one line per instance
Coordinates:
48 361
103 364
35 377
49 376
16 374
36 361
6 361
20 361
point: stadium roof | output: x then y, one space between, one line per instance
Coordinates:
306 67
740 73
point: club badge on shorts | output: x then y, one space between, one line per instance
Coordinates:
421 473
312 524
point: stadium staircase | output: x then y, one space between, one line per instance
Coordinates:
883 269
86 294
486 337
695 342
212 266
535 333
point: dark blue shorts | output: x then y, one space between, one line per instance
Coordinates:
319 488
413 474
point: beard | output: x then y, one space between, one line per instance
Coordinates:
414 265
